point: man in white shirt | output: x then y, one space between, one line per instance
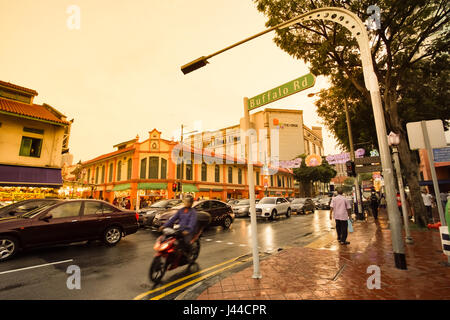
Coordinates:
340 207
427 201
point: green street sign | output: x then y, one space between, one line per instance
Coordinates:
294 86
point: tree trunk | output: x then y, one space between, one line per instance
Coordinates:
410 169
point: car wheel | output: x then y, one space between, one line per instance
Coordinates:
8 247
157 270
112 236
272 215
227 222
288 213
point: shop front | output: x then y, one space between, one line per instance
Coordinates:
21 183
151 192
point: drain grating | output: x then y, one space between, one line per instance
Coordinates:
339 272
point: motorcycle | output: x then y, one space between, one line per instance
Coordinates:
168 254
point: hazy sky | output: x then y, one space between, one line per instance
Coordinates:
119 74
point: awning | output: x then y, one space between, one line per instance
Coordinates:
30 176
122 187
152 186
189 188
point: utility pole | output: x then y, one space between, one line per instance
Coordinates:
352 158
182 158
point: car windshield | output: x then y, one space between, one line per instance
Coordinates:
243 202
267 201
299 201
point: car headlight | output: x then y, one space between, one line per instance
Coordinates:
267 209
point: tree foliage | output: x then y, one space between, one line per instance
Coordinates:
410 58
307 175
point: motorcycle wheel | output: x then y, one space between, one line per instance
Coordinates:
195 250
157 270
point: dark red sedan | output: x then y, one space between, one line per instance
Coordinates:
66 222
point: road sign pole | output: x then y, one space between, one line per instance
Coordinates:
251 192
401 189
437 193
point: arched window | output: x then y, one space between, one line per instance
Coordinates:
153 167
89 176
143 168
119 171
111 169
130 164
217 173
240 176
103 174
188 171
230 175
204 171
96 175
163 168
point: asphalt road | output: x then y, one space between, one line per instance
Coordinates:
121 272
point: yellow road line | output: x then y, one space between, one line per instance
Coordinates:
184 278
194 281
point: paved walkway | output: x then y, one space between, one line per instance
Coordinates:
327 270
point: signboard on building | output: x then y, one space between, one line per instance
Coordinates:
441 154
287 89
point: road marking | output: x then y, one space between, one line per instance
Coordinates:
184 278
194 281
208 239
230 243
218 241
242 245
37 266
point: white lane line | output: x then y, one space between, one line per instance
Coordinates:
38 266
242 245
208 239
230 243
219 241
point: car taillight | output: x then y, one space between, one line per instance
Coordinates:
137 216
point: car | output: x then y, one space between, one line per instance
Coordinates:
24 206
270 207
146 215
242 208
65 222
302 205
220 212
324 203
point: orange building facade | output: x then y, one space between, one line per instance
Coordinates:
149 169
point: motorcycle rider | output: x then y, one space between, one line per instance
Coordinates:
187 219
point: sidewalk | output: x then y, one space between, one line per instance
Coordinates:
308 272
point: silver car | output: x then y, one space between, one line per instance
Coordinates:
270 207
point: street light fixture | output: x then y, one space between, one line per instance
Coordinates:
394 141
356 27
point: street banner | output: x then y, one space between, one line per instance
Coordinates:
287 89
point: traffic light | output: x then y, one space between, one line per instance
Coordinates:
350 165
174 186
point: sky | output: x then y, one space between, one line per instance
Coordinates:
119 76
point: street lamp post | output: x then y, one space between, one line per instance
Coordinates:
394 141
357 28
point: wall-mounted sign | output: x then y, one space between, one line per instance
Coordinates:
441 154
313 160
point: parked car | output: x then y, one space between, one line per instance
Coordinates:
242 208
220 212
146 215
65 222
270 207
24 206
302 205
324 203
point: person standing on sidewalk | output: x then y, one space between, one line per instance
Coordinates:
340 208
374 204
427 201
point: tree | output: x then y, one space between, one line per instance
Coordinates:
306 176
410 57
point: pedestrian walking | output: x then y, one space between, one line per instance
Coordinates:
115 202
128 204
443 197
427 201
340 208
383 202
374 202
